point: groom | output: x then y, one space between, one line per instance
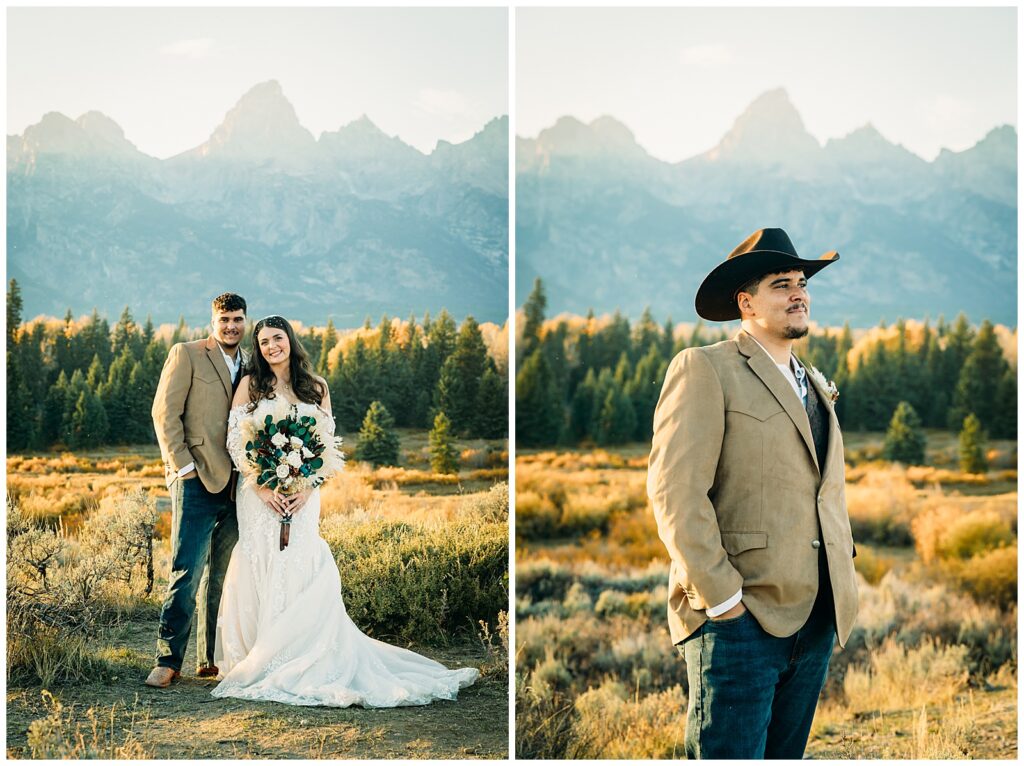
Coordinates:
190 414
746 479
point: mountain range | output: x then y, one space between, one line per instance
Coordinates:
607 226
354 223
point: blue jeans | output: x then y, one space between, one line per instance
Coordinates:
753 695
204 530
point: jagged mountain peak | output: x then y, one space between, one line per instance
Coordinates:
604 135
867 146
769 131
91 135
261 125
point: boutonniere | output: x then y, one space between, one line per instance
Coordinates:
829 386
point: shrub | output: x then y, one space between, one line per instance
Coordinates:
974 533
871 566
881 506
420 582
537 515
487 507
991 576
61 593
611 723
897 677
124 528
495 665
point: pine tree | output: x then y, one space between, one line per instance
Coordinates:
539 413
668 339
21 411
126 334
533 313
581 412
616 420
972 446
842 378
357 383
646 333
443 456
644 390
492 406
959 338
14 309
140 393
118 403
180 334
329 341
96 374
378 443
979 380
460 379
53 411
1005 425
148 334
88 423
72 393
904 441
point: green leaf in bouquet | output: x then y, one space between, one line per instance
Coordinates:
268 420
316 463
271 429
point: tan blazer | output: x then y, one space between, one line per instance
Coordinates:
738 495
190 412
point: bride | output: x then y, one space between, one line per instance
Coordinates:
282 632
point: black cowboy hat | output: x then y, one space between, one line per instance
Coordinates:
763 252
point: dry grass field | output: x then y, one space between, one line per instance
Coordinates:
930 671
82 626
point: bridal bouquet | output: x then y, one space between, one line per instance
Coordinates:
289 453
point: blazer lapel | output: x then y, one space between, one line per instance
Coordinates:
833 421
764 367
217 360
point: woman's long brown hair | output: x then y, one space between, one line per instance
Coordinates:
261 380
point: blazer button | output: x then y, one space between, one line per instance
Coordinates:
815 543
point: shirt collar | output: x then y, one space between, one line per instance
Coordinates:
232 363
793 364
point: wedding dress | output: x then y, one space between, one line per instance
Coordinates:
283 633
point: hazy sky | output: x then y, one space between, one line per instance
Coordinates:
168 76
678 77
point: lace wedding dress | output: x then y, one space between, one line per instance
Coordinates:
283 633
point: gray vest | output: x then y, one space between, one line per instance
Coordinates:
817 414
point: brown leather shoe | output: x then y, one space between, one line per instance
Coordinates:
210 671
161 677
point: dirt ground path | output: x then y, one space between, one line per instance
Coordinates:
185 721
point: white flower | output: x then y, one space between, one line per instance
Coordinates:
279 439
827 385
296 442
307 453
282 471
293 459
